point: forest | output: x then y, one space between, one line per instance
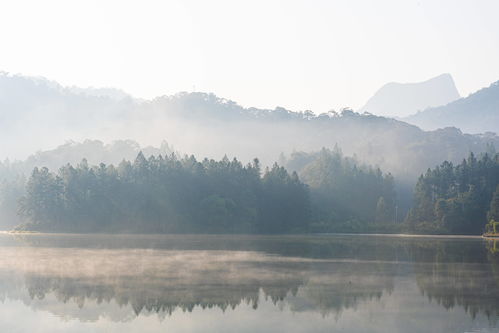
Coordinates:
170 194
367 186
323 191
346 195
166 194
457 199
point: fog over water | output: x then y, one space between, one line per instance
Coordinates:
218 283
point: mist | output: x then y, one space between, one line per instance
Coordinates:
41 115
49 125
263 166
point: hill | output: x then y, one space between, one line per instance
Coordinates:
477 113
40 114
43 113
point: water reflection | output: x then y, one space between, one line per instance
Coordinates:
126 277
493 246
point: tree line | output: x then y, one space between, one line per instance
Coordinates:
324 192
171 194
166 194
457 199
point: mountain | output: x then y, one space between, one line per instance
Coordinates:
204 124
477 113
402 99
38 114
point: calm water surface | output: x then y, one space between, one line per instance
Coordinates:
173 283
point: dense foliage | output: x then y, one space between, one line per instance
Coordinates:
13 174
493 214
346 195
456 199
166 194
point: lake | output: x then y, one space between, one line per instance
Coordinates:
225 283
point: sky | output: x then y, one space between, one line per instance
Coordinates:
302 55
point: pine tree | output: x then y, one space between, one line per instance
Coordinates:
493 213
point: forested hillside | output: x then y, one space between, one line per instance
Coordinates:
42 114
456 198
38 114
477 113
208 125
345 193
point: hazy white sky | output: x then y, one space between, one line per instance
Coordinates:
301 55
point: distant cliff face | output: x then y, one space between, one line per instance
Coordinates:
477 113
403 99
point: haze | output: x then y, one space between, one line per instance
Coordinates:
317 55
256 166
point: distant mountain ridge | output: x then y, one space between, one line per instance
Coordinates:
33 111
34 107
402 99
477 113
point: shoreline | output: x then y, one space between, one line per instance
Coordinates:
399 235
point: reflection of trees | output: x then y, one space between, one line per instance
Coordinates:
149 274
139 296
329 294
458 274
162 281
493 246
493 256
466 285
345 285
